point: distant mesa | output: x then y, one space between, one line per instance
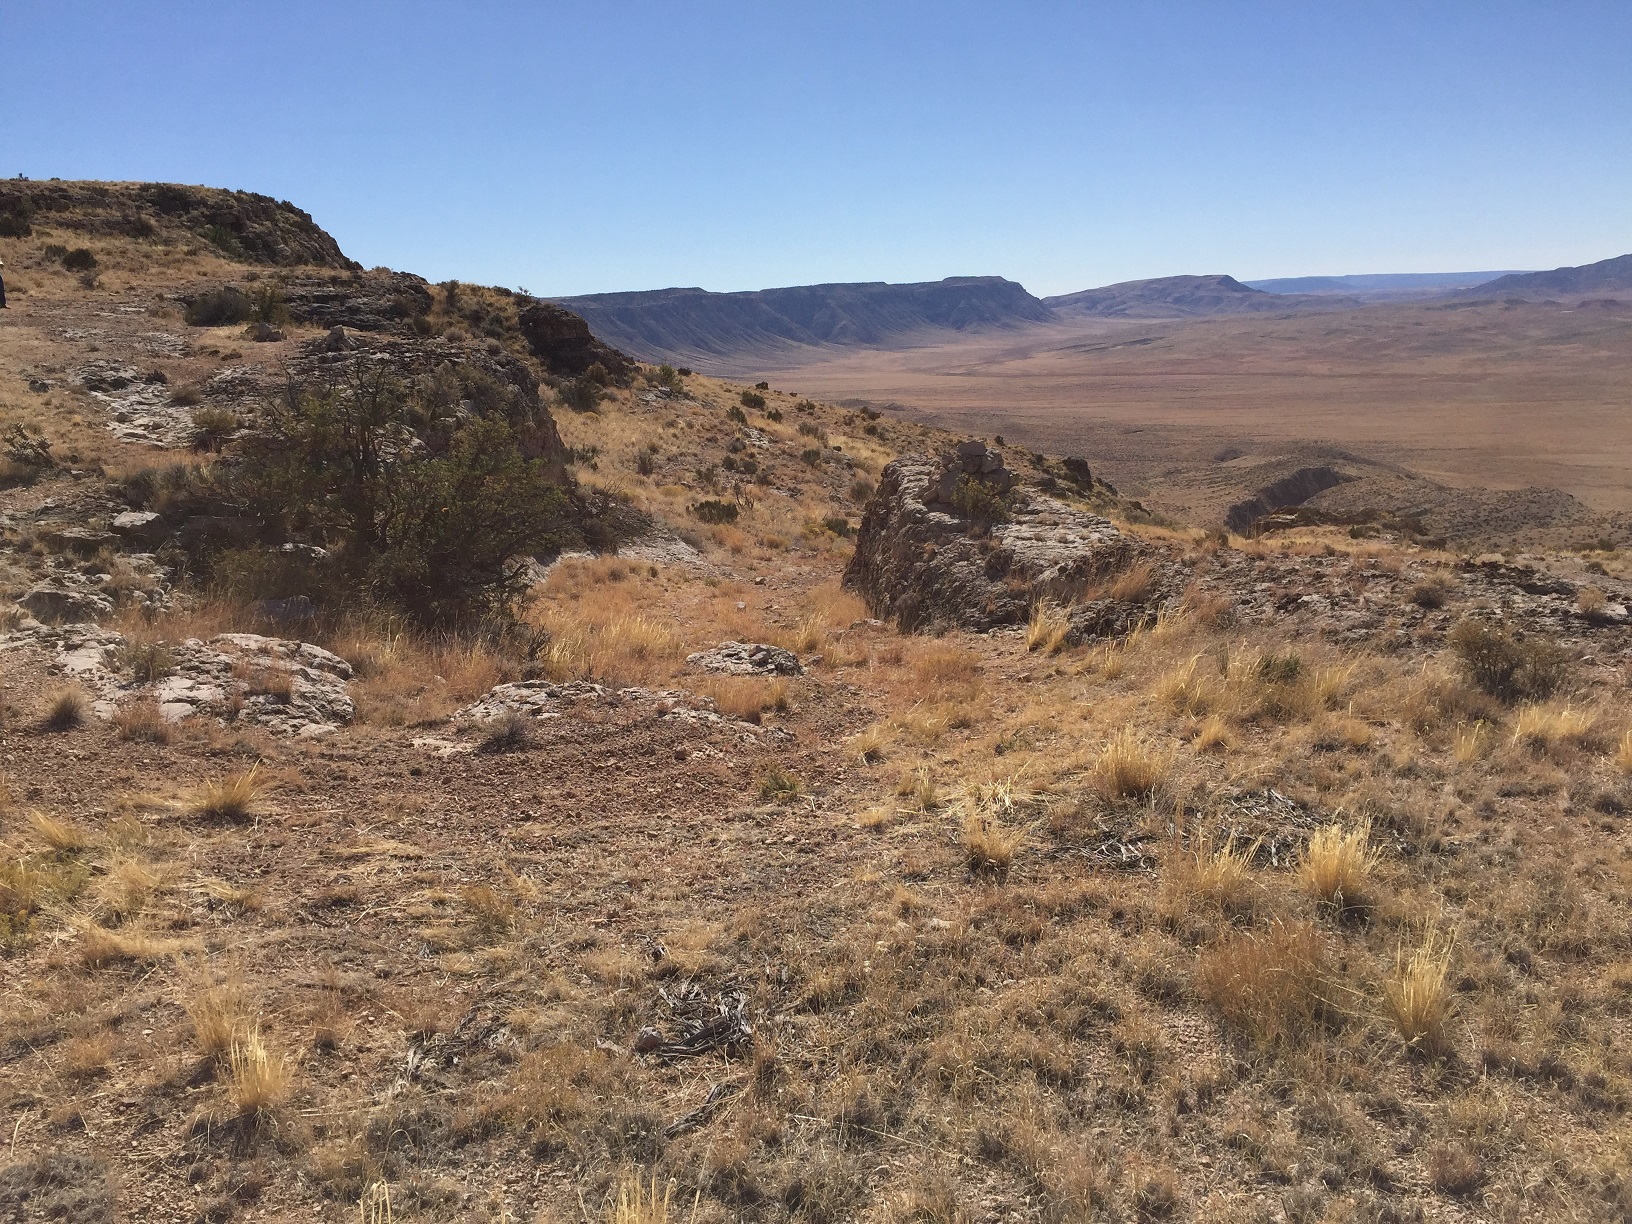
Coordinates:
1382 286
665 323
1171 297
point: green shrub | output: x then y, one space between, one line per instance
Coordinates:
980 501
753 400
774 414
813 456
579 394
223 240
716 511
219 308
736 414
269 307
838 525
147 661
79 260
1506 667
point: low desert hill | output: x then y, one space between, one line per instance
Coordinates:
1380 287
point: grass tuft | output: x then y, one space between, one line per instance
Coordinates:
1129 767
1336 868
988 844
1047 628
141 721
58 835
65 709
1418 997
233 799
260 1078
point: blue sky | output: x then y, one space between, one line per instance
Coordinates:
571 148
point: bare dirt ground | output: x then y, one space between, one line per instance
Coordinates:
1267 912
1493 396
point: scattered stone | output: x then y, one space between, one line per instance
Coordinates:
747 659
339 340
144 526
81 540
262 333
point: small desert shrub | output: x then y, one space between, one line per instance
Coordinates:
1430 595
80 259
147 662
507 732
716 511
1129 767
1454 1170
1418 999
186 395
1272 986
753 401
861 490
212 427
988 844
268 305
778 785
1047 628
219 308
1336 868
980 501
232 799
1507 667
65 709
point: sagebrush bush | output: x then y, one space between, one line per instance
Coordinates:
1507 667
219 308
753 401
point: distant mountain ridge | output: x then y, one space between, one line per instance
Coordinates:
1605 276
722 330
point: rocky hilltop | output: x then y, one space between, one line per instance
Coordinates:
241 225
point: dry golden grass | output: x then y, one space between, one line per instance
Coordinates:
869 745
989 844
65 709
141 721
1047 628
919 790
58 835
1471 741
1210 876
638 1202
1549 727
123 891
1135 583
1336 868
217 1010
1418 996
234 798
749 698
1273 986
1623 756
1214 735
86 1057
1130 767
258 1078
229 896
100 947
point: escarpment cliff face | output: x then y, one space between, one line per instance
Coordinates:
952 540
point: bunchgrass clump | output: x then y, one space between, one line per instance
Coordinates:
1418 998
232 799
1336 869
65 709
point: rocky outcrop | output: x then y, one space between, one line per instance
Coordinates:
290 687
950 541
370 302
66 597
747 659
240 224
562 342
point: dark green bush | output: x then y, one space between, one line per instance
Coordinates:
838 525
579 394
980 501
269 307
79 260
774 414
1507 667
753 400
716 511
219 308
736 414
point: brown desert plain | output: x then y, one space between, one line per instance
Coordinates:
1469 394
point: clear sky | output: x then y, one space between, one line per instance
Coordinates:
571 148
